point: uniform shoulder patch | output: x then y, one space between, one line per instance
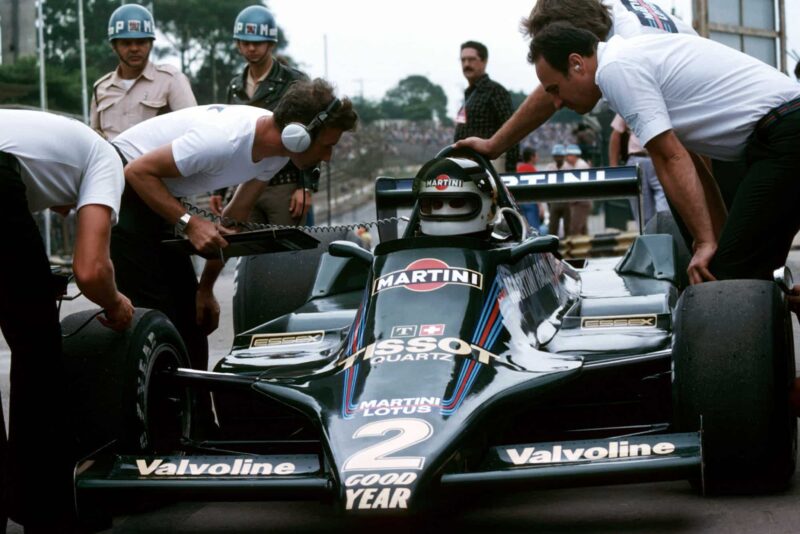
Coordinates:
103 78
169 69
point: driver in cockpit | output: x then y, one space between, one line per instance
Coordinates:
456 197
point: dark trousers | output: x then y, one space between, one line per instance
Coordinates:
154 276
559 211
38 459
762 195
764 210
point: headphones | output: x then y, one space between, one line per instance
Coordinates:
297 137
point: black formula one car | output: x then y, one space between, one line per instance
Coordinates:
438 364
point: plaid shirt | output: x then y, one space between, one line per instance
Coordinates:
488 107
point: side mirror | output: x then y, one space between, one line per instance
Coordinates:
542 243
348 249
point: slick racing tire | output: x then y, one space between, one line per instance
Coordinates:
664 223
733 366
267 286
118 385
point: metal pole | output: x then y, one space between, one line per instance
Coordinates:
328 164
43 104
82 38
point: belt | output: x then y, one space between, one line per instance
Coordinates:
9 161
774 115
642 154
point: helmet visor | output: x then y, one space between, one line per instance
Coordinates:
453 207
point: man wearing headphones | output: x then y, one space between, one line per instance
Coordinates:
262 83
195 150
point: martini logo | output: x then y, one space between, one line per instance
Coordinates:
442 182
428 274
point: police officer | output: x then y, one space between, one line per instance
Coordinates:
263 83
137 89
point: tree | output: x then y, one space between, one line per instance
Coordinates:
415 98
368 110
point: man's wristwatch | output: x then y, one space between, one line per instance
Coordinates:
183 222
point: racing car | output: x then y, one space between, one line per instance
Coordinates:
463 353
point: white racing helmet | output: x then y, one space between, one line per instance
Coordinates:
456 196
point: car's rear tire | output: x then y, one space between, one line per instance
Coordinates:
117 383
664 223
270 285
733 366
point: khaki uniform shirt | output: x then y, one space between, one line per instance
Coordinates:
252 84
159 89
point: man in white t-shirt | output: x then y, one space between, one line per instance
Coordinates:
604 18
201 149
682 94
48 161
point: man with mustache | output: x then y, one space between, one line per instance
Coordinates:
137 89
487 104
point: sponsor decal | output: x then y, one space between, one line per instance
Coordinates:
428 274
134 25
419 349
239 467
615 449
431 330
405 406
287 338
251 29
404 331
443 181
563 177
650 15
621 321
378 491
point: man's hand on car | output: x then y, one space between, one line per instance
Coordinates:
119 316
481 146
205 236
698 267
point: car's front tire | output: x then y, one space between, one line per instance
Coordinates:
118 383
733 366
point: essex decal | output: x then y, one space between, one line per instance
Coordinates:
287 338
378 491
615 449
428 274
622 321
443 181
425 348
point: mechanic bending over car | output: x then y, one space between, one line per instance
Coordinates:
695 94
48 161
201 149
604 18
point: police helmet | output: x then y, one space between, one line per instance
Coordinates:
131 21
255 24
456 196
